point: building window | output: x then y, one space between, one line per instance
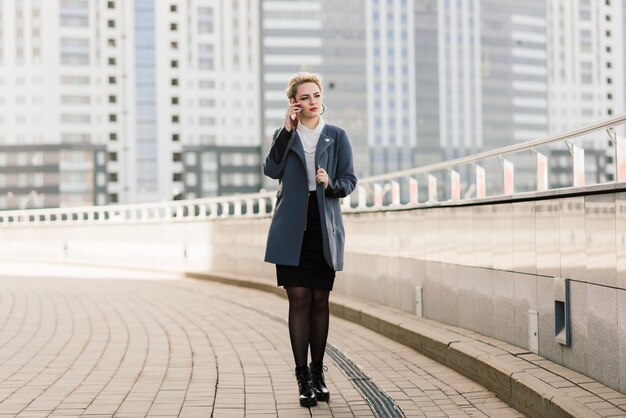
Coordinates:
173 27
113 136
192 159
175 137
113 177
174 64
38 180
174 100
111 42
206 102
112 117
609 112
112 99
111 61
112 80
174 45
609 96
111 5
177 177
177 156
175 119
174 81
205 57
37 158
112 156
113 198
206 121
111 23
192 179
173 8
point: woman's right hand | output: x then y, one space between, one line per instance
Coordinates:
292 115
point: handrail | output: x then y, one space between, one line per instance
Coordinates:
524 146
387 191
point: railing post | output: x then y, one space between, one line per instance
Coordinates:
508 176
362 197
542 171
619 144
179 213
481 185
432 188
455 185
213 210
345 203
413 191
225 209
237 208
395 193
378 195
262 206
578 163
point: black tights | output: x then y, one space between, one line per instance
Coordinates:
308 323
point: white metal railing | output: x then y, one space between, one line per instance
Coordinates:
392 190
245 205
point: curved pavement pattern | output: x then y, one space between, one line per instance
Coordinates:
77 341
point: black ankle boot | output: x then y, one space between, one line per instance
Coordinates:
307 397
317 382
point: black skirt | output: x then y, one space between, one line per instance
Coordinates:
313 271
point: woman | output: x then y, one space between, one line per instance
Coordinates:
313 163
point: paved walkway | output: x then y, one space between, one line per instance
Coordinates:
104 342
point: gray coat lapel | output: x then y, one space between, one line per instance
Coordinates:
298 148
324 142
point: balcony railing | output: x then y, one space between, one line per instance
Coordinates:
390 191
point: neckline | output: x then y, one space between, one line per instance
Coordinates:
316 130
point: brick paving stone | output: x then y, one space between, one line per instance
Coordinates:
129 347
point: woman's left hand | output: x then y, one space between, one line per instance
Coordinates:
321 177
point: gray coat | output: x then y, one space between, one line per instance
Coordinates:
286 162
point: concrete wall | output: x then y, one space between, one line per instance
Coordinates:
481 266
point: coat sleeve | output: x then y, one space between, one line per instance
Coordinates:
345 180
277 156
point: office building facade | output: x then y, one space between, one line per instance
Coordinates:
141 78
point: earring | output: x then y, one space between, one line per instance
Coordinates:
323 109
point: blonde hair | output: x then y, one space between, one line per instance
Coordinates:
301 78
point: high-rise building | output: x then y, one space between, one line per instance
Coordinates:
390 83
586 70
427 77
514 71
460 78
344 65
209 82
54 108
585 73
142 80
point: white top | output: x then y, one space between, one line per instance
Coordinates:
309 139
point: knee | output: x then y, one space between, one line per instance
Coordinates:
320 303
